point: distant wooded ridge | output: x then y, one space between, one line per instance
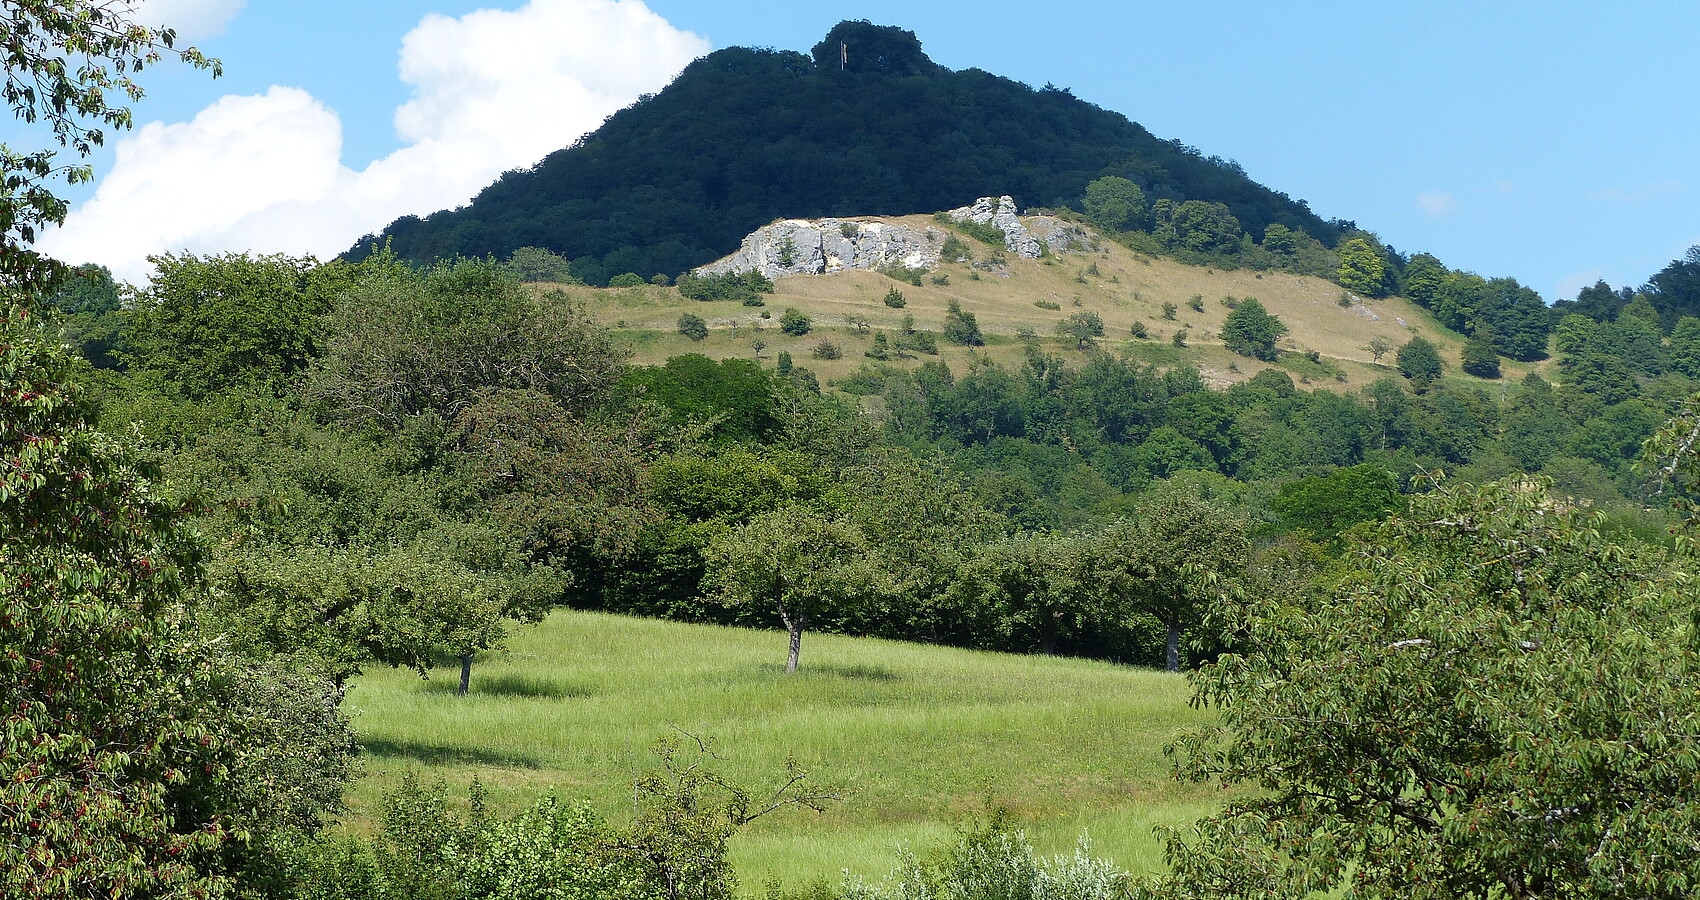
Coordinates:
866 125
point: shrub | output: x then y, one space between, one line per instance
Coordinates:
954 250
1140 330
894 299
626 280
1169 311
1047 304
794 323
941 279
693 327
881 348
1251 331
962 327
743 286
1179 340
1196 303
826 350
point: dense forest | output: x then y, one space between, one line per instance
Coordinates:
745 136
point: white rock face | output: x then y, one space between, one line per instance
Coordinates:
805 247
809 247
1000 212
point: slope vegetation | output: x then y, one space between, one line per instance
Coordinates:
1013 298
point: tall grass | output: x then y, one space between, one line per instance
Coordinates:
919 737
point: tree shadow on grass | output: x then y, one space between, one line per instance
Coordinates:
509 686
442 755
854 672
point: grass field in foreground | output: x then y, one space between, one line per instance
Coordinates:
921 736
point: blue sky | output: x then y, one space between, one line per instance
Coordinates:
1555 143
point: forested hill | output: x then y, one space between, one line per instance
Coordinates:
867 125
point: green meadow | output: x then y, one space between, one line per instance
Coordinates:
917 738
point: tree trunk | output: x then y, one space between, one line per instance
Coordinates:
1172 656
796 628
465 674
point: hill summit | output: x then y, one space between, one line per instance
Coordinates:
865 124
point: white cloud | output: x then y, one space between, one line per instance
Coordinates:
193 20
1437 203
1649 191
493 90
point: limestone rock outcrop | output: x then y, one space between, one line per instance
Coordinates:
806 247
819 247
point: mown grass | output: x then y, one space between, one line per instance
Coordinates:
919 737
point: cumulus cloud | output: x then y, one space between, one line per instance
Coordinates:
193 20
1437 203
492 91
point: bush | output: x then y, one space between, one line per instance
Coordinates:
1169 311
626 280
954 250
826 350
941 280
741 286
1251 331
962 327
794 323
1140 330
693 327
534 264
1047 304
894 299
1196 303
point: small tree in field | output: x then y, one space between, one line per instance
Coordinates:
1494 700
793 560
1251 331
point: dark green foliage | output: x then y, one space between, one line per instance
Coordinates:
881 348
1114 204
207 324
825 349
743 287
115 762
961 327
1430 724
1419 362
794 323
910 338
1197 226
1480 359
85 289
755 135
403 343
1362 267
693 327
894 299
1251 331
626 280
1141 330
1083 327
535 264
1169 310
1675 290
735 394
1326 505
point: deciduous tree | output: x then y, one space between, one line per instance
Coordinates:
1494 701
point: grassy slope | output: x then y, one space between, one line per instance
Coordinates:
1129 287
921 735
